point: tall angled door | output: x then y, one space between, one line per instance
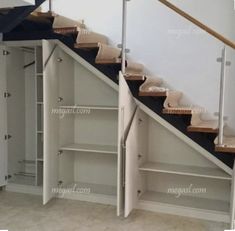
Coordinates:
3 119
127 108
51 120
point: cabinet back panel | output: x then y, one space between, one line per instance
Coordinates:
95 168
66 79
66 168
92 91
167 148
66 129
98 127
30 108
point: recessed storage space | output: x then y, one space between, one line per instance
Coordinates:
165 174
24 114
82 115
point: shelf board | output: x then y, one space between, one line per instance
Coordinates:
40 103
186 201
39 74
96 148
185 170
90 107
40 132
40 159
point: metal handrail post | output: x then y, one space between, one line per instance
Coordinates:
124 23
222 94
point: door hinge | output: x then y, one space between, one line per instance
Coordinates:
60 182
59 60
7 137
5 52
60 99
7 94
60 152
8 177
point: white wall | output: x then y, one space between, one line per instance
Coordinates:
167 44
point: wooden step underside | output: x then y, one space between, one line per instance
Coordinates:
134 77
178 111
86 45
202 129
44 14
226 149
108 61
153 94
228 146
65 30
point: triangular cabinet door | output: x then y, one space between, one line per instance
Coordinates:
51 120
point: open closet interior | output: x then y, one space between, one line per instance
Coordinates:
24 99
157 179
81 113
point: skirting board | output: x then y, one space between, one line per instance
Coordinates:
26 189
184 211
95 198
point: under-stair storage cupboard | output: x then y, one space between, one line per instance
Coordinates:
21 115
163 174
68 131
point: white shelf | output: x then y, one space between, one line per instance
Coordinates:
90 107
185 170
39 74
40 159
40 132
96 148
40 103
186 201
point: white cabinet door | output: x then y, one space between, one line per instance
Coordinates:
131 166
127 108
3 119
51 120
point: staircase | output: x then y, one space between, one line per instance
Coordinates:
11 17
94 48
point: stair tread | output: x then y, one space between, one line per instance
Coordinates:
228 145
210 126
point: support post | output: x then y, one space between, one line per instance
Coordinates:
124 23
221 99
50 5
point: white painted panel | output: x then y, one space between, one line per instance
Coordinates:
51 121
91 90
131 166
3 120
14 3
127 108
16 124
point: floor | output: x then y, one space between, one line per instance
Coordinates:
21 212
